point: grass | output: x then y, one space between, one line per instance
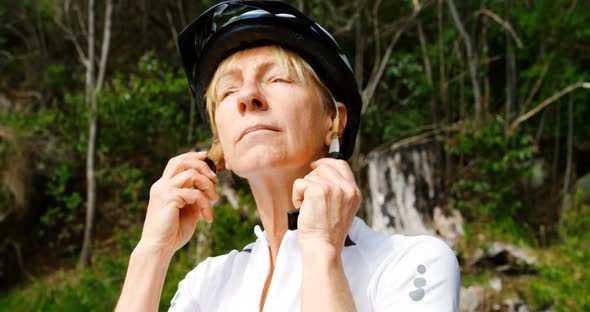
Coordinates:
97 288
562 279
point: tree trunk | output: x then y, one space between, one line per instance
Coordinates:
301 5
104 52
426 61
359 51
556 147
92 89
568 162
511 108
471 58
461 56
406 191
86 253
443 80
484 56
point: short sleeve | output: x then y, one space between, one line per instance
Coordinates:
423 275
188 290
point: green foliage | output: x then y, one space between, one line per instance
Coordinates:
143 121
495 163
400 108
144 113
232 229
92 289
98 288
129 202
564 279
60 220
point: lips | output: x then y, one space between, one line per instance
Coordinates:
256 128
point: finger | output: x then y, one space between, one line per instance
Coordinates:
200 206
192 177
320 186
298 193
192 212
330 175
336 189
184 196
340 165
207 212
192 160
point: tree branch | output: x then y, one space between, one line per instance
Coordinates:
502 23
106 40
69 34
548 101
369 90
536 87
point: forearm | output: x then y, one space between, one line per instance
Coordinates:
324 286
144 280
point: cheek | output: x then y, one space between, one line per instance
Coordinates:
311 125
223 127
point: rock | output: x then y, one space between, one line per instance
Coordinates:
471 298
5 103
489 298
406 192
16 205
504 258
449 227
495 284
514 305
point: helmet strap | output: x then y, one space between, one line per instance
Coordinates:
335 144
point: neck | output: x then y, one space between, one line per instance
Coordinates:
273 195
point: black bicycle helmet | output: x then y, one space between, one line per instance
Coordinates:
231 26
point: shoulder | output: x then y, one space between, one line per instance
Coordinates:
219 268
420 273
423 248
379 246
201 283
385 249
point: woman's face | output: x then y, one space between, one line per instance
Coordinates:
266 118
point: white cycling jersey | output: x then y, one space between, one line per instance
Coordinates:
385 273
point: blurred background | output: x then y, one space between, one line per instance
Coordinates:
475 129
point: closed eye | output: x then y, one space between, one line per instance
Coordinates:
226 93
280 79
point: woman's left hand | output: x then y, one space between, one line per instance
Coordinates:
329 199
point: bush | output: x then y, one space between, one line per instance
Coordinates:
98 288
564 278
495 163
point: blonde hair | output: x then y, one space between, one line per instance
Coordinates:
289 63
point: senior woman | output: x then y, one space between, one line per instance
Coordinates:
283 106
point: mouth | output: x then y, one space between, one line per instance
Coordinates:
256 127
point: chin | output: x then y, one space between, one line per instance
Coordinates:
262 160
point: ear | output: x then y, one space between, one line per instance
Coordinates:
341 123
343 114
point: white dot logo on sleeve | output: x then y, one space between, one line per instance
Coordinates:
419 282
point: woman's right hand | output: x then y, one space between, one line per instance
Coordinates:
177 199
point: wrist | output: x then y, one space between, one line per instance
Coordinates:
319 251
147 249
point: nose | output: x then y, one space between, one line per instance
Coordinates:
251 98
